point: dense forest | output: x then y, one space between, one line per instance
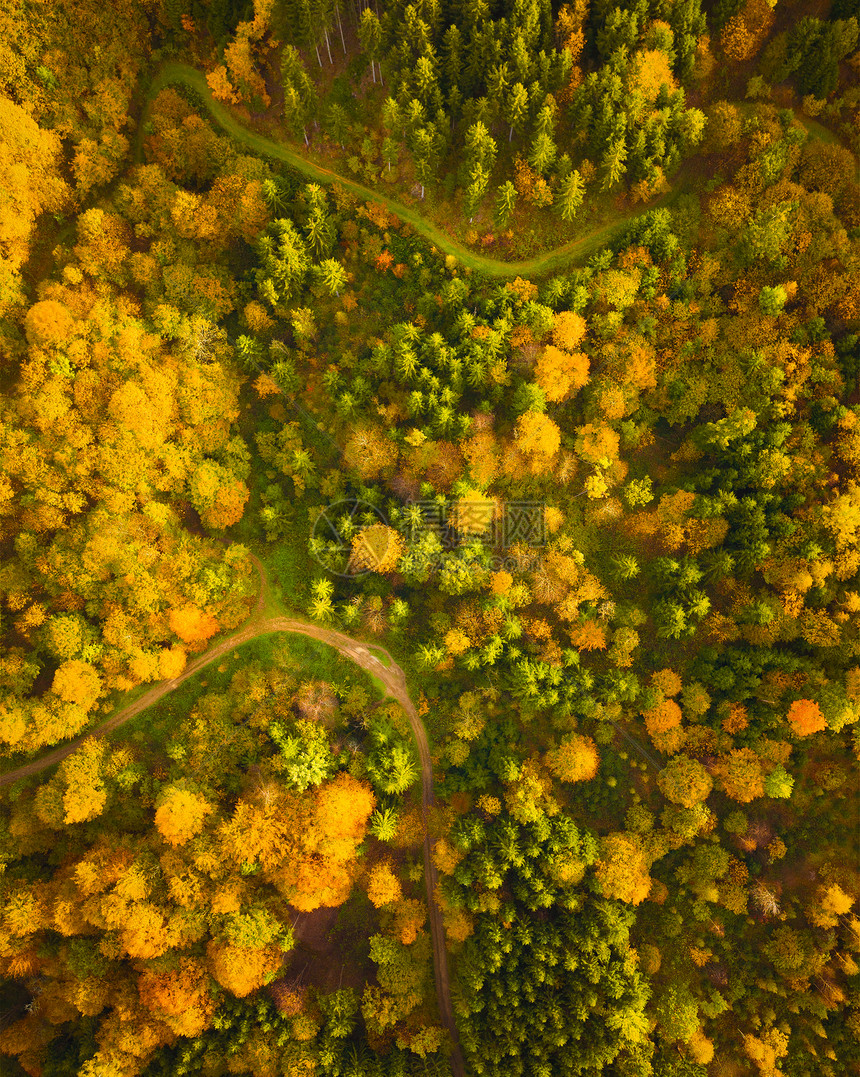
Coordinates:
430 538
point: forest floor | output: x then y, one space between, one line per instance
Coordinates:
385 672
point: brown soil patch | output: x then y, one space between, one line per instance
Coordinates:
312 928
322 958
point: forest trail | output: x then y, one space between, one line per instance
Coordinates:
394 680
173 73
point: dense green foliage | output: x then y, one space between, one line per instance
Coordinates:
606 520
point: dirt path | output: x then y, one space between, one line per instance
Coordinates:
394 680
174 73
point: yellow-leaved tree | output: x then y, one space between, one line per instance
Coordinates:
560 373
77 682
30 184
538 438
622 869
181 812
574 760
383 886
376 548
242 969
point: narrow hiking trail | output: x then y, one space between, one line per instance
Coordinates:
393 679
174 73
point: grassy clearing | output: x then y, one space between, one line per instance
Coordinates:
378 685
295 654
290 570
308 657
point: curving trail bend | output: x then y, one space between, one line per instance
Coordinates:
174 73
394 680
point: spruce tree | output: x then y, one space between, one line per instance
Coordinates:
570 195
506 199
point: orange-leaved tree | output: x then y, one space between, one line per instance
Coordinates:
48 323
324 871
192 625
179 996
663 723
805 717
574 760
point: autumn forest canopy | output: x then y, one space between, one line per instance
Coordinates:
429 538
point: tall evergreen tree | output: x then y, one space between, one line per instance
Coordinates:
543 153
506 199
613 164
480 150
570 195
517 109
480 181
370 36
